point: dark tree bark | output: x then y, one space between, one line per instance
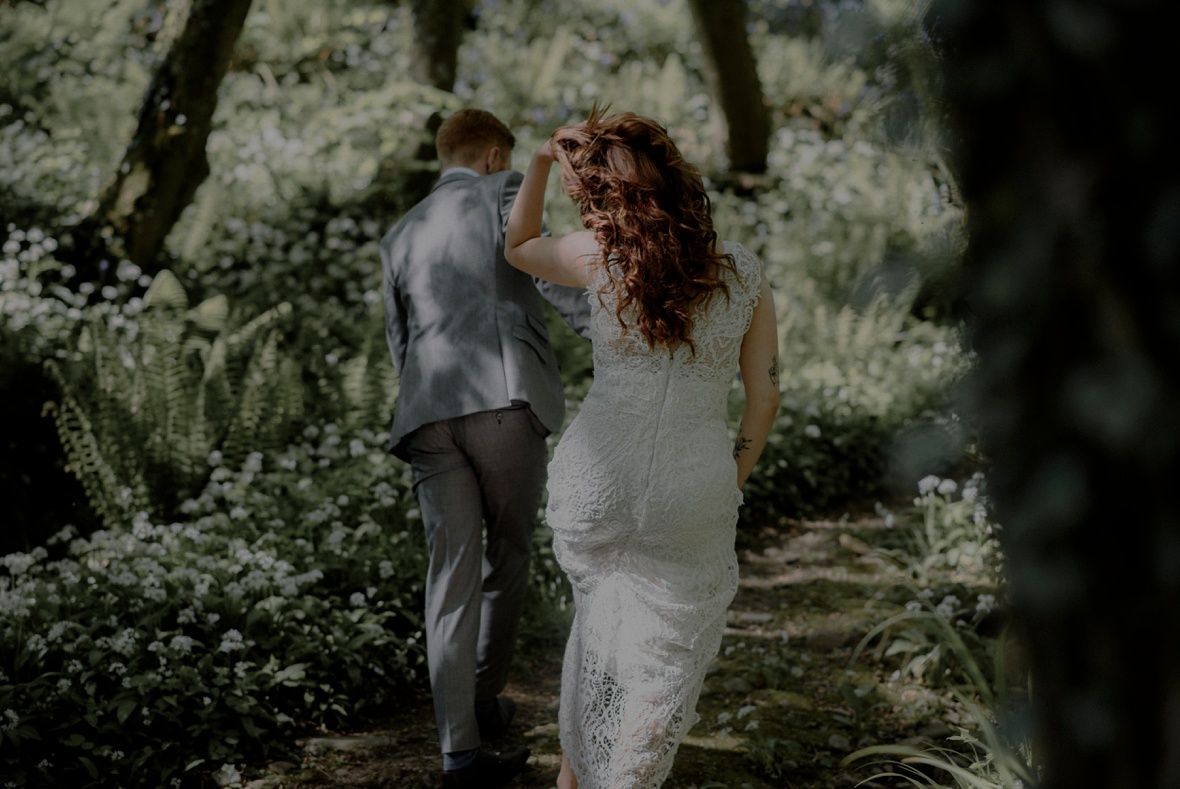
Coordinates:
438 31
166 161
733 77
1065 144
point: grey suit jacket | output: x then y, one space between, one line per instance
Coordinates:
467 330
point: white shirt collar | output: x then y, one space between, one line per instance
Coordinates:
457 170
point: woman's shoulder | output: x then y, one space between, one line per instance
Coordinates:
747 266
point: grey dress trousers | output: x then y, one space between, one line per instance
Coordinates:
479 391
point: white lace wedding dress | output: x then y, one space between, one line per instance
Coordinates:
643 503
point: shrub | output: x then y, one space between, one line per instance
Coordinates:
35 324
290 599
850 382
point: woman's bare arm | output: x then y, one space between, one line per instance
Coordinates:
759 366
564 260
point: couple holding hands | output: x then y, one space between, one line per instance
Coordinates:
645 483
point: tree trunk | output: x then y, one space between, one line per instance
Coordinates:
438 31
1066 150
733 78
166 160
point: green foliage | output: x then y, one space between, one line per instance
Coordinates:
39 494
948 547
289 596
978 758
849 232
850 382
68 99
951 643
148 397
313 553
952 535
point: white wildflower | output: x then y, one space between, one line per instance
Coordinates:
947 487
927 484
231 641
37 645
181 644
124 643
948 606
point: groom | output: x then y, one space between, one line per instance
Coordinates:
479 391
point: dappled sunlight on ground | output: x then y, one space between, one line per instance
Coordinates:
784 702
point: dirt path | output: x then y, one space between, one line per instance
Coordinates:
783 703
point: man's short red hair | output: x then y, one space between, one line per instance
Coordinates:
468 133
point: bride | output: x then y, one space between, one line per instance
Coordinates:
644 487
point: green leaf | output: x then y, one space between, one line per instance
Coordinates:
211 314
74 741
166 291
125 708
291 674
251 729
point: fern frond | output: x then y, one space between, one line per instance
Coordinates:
112 497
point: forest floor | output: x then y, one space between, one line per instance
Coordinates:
785 701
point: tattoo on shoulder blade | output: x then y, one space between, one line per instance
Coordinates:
774 370
742 444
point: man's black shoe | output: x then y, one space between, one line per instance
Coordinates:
488 771
493 725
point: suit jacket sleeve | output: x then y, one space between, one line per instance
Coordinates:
395 313
571 303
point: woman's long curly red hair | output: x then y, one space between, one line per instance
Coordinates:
650 214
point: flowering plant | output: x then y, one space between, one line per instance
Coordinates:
289 597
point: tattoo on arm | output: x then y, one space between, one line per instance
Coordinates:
774 370
742 444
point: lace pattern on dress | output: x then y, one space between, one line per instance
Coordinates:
643 505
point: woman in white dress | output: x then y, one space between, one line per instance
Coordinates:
645 485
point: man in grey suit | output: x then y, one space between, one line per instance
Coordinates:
479 391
